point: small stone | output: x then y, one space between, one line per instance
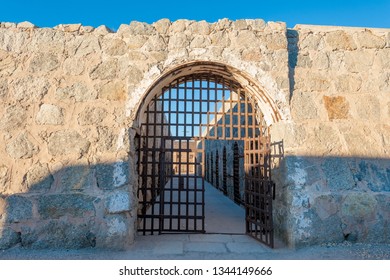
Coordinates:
102 30
275 41
359 61
178 26
7 64
200 28
38 178
277 26
21 147
78 177
44 62
304 107
29 88
114 91
112 176
106 70
4 179
74 66
162 26
340 40
368 107
178 41
69 27
66 142
9 24
337 107
370 41
240 24
141 28
26 24
14 117
3 89
87 29
115 47
49 114
92 115
252 54
118 202
107 139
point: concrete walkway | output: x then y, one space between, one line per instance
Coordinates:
225 239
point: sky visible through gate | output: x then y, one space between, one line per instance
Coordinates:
188 114
45 13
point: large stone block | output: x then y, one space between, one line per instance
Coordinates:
21 147
58 234
79 91
14 117
340 40
50 114
30 88
8 238
366 39
92 115
72 205
65 142
75 178
18 209
44 62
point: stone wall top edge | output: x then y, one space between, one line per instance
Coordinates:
327 28
75 27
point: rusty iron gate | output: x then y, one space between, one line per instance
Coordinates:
175 129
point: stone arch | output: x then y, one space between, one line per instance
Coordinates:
160 148
263 99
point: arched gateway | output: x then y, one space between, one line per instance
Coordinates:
185 114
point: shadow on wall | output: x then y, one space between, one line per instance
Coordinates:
293 39
318 200
77 206
332 199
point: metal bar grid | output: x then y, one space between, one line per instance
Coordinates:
173 162
258 190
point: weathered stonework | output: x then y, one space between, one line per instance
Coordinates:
71 101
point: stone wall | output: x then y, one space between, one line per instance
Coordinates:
71 100
335 179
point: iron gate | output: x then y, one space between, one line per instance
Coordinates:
259 189
175 128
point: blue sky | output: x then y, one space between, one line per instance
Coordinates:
374 13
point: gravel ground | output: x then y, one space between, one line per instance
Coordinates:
344 251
